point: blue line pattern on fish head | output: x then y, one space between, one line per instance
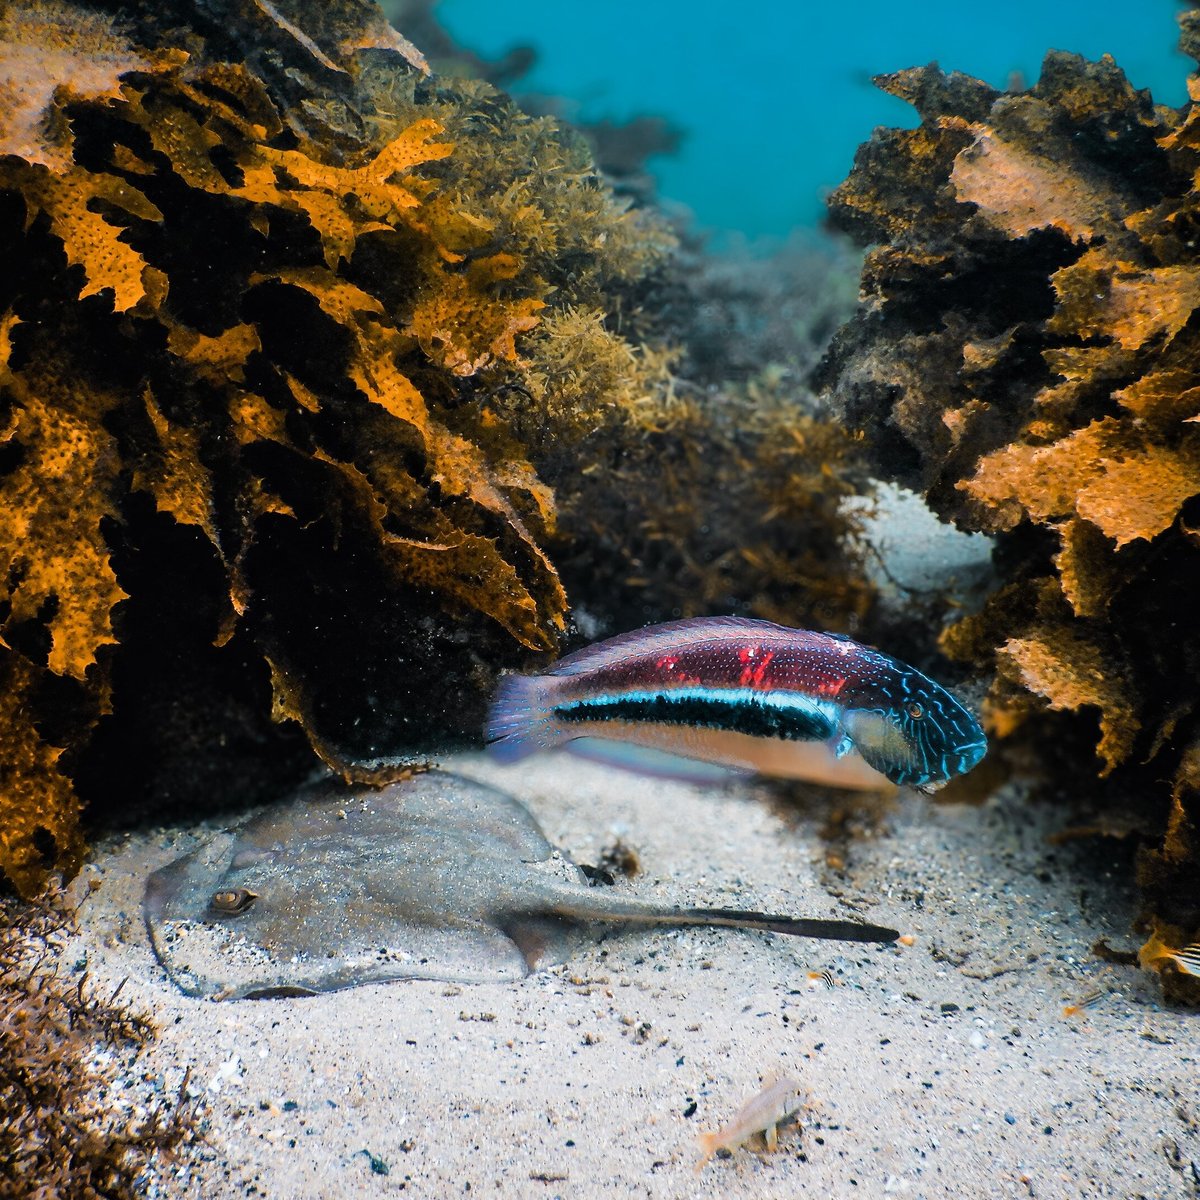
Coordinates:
914 731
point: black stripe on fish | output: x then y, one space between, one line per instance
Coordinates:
737 710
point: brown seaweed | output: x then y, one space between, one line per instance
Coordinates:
316 402
66 1050
243 314
1026 357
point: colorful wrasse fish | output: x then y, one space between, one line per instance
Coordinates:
748 695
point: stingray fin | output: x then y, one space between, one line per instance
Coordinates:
537 938
519 722
647 760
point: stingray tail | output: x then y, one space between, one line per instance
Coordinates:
827 929
601 907
520 722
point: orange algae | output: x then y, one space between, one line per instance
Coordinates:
313 397
203 310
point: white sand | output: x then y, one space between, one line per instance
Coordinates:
579 1081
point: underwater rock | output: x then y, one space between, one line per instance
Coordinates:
1026 356
434 877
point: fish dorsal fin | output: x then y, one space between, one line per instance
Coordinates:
670 635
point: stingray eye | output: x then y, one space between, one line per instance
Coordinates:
915 711
235 901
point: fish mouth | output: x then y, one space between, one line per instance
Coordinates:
951 764
970 755
958 762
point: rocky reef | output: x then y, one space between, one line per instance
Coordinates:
1025 355
324 382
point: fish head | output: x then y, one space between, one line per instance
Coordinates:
917 733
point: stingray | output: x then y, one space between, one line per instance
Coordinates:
434 877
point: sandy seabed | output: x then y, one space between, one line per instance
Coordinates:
946 1068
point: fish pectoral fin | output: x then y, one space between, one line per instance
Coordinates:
843 746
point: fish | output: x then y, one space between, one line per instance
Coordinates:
1085 1004
826 978
433 877
747 696
763 1113
1157 954
1188 959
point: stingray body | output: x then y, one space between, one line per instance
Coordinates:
436 877
748 695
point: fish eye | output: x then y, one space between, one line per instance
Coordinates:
234 901
915 711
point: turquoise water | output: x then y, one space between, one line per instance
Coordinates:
775 96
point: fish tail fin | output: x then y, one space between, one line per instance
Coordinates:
520 722
1188 959
710 1143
